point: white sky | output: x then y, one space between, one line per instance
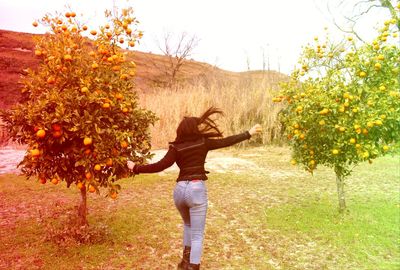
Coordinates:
230 31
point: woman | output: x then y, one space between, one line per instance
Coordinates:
189 150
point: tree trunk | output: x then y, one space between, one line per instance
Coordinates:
340 189
82 210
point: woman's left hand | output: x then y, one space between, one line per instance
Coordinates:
256 129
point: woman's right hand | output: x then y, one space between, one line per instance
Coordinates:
256 129
131 165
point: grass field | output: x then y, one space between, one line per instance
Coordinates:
269 216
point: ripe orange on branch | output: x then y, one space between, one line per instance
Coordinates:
80 185
97 167
35 152
51 80
54 181
68 58
41 133
87 141
57 133
109 162
124 144
88 175
92 189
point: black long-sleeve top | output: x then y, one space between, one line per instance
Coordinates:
190 156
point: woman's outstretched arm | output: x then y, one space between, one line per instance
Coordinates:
158 166
231 140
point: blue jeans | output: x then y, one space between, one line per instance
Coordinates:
191 201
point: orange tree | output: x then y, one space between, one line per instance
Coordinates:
79 115
342 107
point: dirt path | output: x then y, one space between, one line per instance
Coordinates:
216 161
9 159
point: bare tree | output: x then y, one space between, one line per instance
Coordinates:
177 50
358 9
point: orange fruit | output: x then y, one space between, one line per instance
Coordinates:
68 58
84 28
109 162
57 133
80 185
38 52
54 181
93 32
73 14
125 110
56 127
92 189
35 24
124 144
106 105
51 80
119 96
41 133
88 151
42 180
95 65
116 68
35 152
97 167
87 141
88 175
114 195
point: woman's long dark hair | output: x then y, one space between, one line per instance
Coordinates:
194 128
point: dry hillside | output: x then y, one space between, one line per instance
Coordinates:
16 54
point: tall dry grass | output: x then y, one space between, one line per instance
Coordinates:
245 102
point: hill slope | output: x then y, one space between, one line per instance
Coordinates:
16 54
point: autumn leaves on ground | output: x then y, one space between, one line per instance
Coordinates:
263 214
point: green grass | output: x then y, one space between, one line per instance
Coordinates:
274 216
